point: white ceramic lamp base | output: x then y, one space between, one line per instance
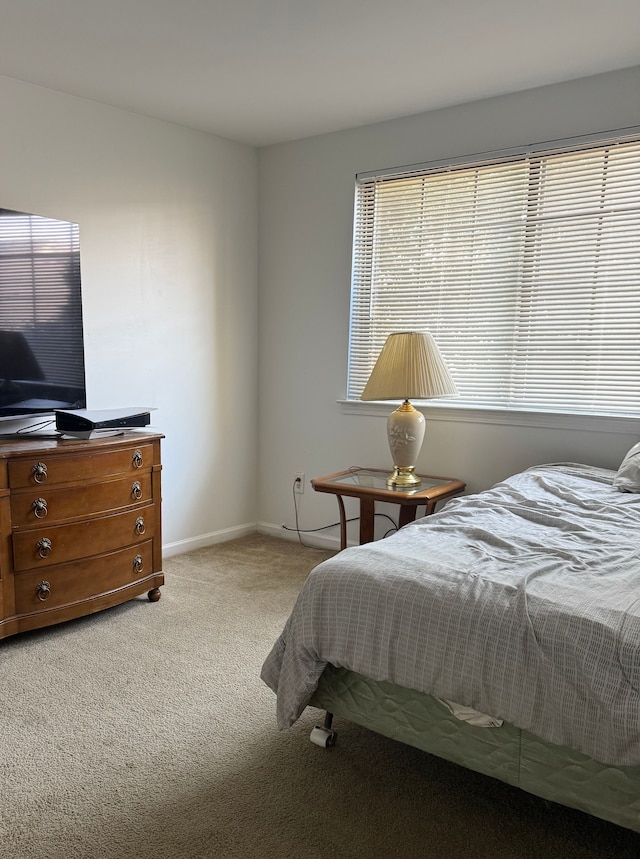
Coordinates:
405 431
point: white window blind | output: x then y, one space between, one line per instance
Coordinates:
525 268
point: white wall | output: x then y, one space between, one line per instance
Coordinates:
168 238
306 207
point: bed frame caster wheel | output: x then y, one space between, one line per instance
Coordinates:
323 737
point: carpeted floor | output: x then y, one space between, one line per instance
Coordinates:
145 732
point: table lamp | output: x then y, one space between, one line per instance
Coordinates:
409 366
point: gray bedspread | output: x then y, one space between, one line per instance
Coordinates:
522 602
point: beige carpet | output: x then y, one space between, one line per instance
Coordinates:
145 732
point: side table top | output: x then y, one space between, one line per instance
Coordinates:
359 482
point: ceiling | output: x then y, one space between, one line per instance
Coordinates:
266 71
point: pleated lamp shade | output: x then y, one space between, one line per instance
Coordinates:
409 367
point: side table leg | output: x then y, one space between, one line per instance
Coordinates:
407 514
367 519
343 523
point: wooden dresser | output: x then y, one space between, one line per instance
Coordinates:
80 527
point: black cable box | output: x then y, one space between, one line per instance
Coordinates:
88 420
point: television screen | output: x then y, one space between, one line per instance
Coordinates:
41 333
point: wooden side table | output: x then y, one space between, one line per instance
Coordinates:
370 485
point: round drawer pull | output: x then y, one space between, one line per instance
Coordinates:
40 509
136 459
136 491
39 472
43 590
44 547
138 564
140 529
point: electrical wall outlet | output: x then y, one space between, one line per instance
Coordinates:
298 482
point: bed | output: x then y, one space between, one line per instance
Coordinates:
501 633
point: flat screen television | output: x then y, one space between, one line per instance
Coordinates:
41 332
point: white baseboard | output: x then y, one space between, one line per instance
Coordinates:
192 543
318 541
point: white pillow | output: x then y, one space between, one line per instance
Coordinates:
628 477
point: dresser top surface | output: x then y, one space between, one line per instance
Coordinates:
32 444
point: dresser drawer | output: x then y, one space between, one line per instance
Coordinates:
48 469
57 544
63 584
46 506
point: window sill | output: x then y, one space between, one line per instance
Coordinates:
507 417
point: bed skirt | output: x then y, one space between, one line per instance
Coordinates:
507 753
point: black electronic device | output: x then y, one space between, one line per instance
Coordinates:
84 422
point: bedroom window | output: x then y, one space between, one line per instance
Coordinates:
525 267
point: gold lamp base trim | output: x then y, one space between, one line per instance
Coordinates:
403 477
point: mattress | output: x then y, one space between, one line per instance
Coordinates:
507 753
